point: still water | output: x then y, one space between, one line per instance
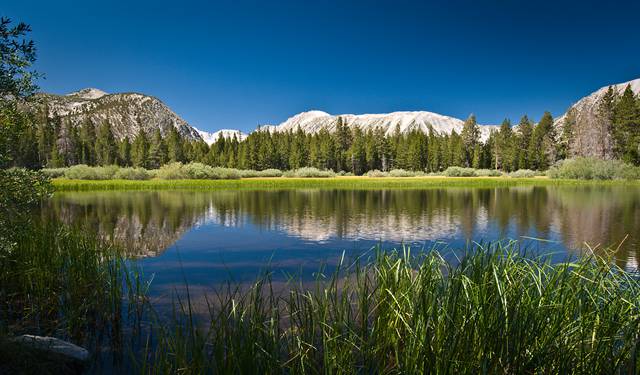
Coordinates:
207 237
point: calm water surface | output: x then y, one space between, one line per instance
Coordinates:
207 237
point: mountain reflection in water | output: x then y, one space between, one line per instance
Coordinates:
149 223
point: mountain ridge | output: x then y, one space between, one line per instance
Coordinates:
315 120
128 112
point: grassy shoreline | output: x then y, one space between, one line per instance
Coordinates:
61 184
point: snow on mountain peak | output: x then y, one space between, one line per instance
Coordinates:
88 93
211 138
406 121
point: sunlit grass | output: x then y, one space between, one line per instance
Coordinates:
321 183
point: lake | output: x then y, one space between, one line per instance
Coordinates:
208 237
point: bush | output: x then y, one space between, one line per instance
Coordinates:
488 173
460 172
401 173
593 169
377 173
248 173
345 174
85 172
196 171
199 171
220 173
53 172
153 173
522 173
172 171
308 172
132 174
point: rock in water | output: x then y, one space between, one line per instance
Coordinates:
30 354
54 345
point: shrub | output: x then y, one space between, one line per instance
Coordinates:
172 171
248 173
460 172
132 174
377 173
199 171
309 172
196 171
593 169
220 173
401 173
488 173
153 173
522 173
54 172
85 172
345 174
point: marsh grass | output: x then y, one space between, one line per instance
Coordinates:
496 310
492 308
322 183
59 281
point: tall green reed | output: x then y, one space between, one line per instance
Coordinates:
494 310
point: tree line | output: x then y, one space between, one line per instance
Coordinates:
57 143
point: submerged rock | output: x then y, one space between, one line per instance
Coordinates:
54 345
30 354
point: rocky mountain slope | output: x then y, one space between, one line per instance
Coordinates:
126 112
314 121
591 136
130 112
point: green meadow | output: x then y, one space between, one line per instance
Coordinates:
62 184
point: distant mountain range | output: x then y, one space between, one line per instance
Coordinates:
314 121
130 112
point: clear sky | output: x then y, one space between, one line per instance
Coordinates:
237 64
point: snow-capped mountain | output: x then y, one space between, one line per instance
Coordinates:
211 138
126 112
314 121
591 135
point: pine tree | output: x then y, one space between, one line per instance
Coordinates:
55 159
175 146
543 146
504 147
66 144
27 149
604 113
158 153
87 151
357 155
124 152
525 132
626 127
470 138
140 150
44 136
343 140
106 148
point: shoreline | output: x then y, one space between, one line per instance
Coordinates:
348 182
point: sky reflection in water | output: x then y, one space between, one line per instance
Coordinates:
208 237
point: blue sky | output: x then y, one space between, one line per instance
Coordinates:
237 64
